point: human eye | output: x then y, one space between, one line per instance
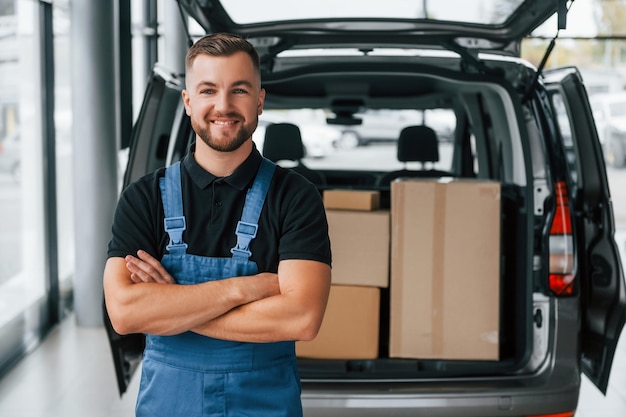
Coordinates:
240 91
206 91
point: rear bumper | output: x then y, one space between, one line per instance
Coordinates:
553 387
496 402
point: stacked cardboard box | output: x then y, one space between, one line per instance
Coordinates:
363 200
359 236
350 327
444 290
445 272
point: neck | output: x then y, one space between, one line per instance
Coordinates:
221 164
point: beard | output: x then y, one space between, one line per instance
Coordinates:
226 144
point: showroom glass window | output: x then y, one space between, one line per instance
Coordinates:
27 265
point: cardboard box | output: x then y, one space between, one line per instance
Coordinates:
350 328
352 200
359 241
445 269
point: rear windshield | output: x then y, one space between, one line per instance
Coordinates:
471 11
370 145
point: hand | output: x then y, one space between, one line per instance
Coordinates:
146 268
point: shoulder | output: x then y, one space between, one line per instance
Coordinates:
294 193
136 221
297 198
143 190
288 181
303 226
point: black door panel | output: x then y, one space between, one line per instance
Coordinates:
602 295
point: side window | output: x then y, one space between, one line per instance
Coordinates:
565 128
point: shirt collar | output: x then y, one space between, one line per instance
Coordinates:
240 179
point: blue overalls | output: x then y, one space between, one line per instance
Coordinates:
192 375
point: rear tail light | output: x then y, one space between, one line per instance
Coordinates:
561 245
568 414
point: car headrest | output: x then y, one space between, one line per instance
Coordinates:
283 141
418 144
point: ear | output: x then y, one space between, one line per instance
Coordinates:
259 108
185 96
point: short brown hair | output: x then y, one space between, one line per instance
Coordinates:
221 44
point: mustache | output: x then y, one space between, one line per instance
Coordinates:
229 115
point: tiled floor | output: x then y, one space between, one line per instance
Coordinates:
70 375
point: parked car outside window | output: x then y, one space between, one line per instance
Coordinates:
385 125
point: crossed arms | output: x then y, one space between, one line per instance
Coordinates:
141 297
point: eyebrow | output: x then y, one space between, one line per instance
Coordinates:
239 83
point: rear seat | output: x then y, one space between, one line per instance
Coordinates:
283 142
416 144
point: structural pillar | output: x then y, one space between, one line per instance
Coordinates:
174 38
95 133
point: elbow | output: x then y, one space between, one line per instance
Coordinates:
307 336
120 325
308 329
118 317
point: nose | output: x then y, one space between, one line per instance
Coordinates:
223 102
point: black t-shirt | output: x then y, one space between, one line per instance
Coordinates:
292 224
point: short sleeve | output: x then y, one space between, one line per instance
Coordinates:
135 219
304 224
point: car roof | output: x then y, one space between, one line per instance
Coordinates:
274 26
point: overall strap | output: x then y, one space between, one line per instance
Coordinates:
255 198
172 197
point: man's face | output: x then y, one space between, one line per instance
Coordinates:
223 99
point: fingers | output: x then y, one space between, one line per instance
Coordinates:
146 268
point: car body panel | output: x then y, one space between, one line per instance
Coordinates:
603 294
365 32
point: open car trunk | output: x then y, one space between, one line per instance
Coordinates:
482 148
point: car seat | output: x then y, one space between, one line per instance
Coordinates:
283 142
416 144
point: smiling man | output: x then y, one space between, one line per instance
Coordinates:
224 110
223 259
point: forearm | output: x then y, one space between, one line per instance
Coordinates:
169 309
268 320
295 314
166 309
